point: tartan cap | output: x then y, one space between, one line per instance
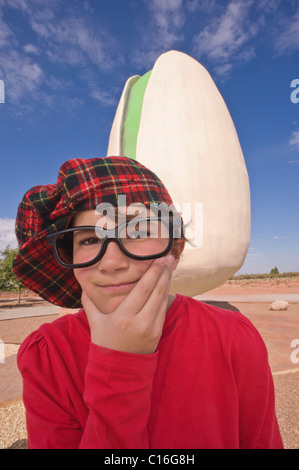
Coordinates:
82 184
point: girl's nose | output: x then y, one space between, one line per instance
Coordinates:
113 259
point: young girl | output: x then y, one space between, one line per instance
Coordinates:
136 367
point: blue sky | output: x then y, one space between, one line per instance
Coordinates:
64 65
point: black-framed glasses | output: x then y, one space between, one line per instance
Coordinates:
139 239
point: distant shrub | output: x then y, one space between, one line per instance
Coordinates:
274 271
241 277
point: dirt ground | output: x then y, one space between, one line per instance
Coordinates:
278 329
288 285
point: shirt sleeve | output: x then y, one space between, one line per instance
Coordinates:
257 419
118 388
117 395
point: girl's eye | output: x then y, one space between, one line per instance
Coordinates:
89 241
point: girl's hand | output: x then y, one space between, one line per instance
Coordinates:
135 326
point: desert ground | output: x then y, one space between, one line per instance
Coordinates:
252 298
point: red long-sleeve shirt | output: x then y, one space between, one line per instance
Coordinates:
208 385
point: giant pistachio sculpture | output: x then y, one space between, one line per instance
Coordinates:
174 120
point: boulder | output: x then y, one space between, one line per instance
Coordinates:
279 305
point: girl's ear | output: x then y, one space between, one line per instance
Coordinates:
177 249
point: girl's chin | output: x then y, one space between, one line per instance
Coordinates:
109 305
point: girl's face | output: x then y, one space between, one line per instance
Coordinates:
109 281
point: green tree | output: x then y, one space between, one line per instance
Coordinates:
274 271
8 280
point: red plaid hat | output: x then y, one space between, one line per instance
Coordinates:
82 184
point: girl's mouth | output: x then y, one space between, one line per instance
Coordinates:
118 287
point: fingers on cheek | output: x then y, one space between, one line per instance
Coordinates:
169 262
160 290
166 261
149 280
144 289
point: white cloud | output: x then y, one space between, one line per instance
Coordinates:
71 39
167 14
64 37
30 49
5 33
105 98
253 256
165 30
20 74
223 70
294 140
206 6
288 39
268 6
17 4
226 39
7 233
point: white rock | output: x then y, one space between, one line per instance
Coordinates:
279 305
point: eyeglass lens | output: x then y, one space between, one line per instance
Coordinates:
142 238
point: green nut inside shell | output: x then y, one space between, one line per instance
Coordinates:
132 116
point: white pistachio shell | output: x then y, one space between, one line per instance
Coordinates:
187 137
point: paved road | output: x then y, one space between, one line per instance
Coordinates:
23 312
250 298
